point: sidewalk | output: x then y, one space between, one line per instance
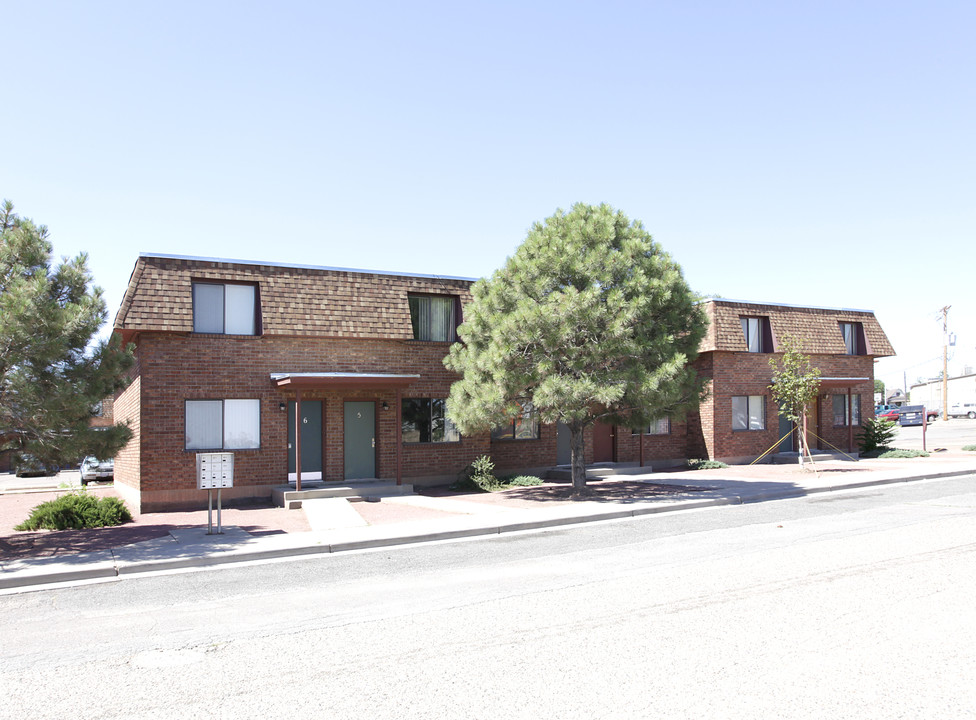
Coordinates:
165 541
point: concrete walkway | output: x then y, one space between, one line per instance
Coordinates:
338 524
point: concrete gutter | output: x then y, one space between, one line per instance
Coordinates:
193 548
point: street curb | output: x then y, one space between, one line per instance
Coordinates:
119 568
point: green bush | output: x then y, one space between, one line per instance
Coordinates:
894 454
698 464
479 475
76 511
522 481
876 435
971 448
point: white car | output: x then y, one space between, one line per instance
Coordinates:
963 410
94 469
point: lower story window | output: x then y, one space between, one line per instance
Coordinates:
840 410
749 412
223 424
661 426
424 421
525 426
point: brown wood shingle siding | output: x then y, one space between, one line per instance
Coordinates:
817 328
293 300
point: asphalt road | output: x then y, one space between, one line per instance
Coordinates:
853 604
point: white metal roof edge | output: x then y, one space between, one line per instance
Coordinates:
786 305
300 266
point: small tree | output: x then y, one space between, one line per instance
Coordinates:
589 320
795 384
52 374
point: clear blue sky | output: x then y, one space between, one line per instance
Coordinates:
815 153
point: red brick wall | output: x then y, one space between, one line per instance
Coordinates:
750 374
656 447
172 368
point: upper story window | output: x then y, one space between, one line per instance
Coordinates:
853 333
759 336
525 426
434 317
225 309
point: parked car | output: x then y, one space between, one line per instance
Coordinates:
932 415
963 410
94 469
891 415
27 465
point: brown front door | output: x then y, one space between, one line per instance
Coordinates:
603 442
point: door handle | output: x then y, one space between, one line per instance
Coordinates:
372 442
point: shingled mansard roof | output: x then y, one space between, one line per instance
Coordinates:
339 302
294 299
817 328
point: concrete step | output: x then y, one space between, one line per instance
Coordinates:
287 497
817 456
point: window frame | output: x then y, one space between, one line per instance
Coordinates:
448 423
427 298
255 299
856 409
749 413
650 428
764 332
512 430
856 343
223 425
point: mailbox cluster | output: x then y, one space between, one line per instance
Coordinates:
215 471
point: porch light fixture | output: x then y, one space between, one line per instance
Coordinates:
385 405
282 406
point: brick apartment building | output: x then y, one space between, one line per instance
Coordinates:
233 355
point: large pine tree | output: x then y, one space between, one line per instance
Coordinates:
52 373
589 321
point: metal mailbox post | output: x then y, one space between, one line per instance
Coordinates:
215 471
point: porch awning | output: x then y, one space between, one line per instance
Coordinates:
842 382
329 380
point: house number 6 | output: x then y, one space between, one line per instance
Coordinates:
305 420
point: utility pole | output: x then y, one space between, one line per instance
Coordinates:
945 362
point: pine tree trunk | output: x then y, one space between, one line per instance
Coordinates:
577 459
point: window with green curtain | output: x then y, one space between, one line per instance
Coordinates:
433 317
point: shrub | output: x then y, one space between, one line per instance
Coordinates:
971 448
77 511
893 454
522 481
876 435
698 464
479 475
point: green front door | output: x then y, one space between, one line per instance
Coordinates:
785 429
311 422
359 440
